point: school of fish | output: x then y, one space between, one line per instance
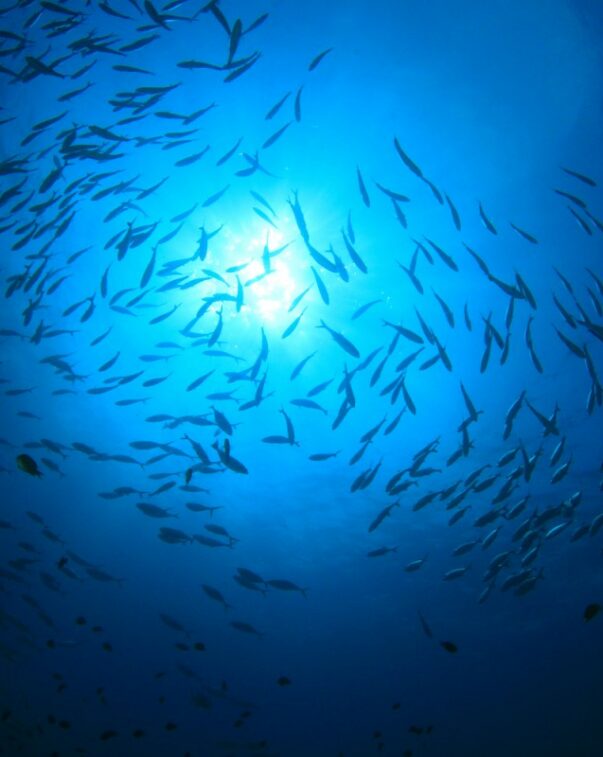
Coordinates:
160 325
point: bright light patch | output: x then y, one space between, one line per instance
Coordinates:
271 295
269 279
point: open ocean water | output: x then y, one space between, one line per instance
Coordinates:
301 361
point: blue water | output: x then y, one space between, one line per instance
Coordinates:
497 104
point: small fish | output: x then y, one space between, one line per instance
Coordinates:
580 221
173 536
363 191
285 585
322 289
245 628
581 177
456 219
317 59
591 611
275 108
344 343
415 565
321 456
227 155
386 512
486 221
524 234
363 309
277 135
215 197
455 573
411 165
299 367
216 595
154 511
28 465
293 325
228 460
297 105
424 625
355 257
443 255
381 551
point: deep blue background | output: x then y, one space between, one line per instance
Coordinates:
490 100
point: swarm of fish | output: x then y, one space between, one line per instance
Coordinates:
174 279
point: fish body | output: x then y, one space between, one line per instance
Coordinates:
28 465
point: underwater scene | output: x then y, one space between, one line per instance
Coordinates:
301 364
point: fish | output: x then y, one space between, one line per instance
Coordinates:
455 573
188 161
395 196
512 414
101 575
216 595
591 611
319 58
322 456
28 465
284 585
362 187
207 541
239 625
275 136
580 176
364 308
322 290
386 512
153 511
524 234
293 325
228 460
381 551
309 404
486 221
277 106
447 259
415 565
242 69
580 221
407 333
355 257
215 197
173 536
425 626
341 340
222 421
391 427
200 380
456 219
300 366
297 104
410 164
473 413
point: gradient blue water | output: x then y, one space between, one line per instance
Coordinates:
490 100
